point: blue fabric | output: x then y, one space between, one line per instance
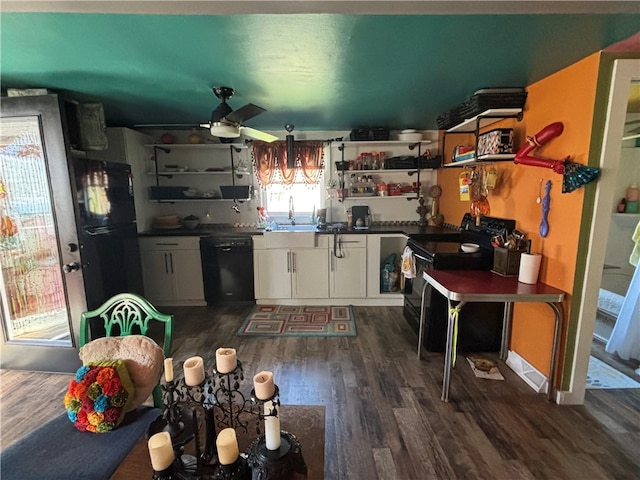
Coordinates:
58 451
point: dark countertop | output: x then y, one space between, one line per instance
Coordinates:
224 230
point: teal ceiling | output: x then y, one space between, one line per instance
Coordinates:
317 71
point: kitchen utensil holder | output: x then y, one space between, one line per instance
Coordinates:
506 262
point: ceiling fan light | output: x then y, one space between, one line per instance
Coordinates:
224 131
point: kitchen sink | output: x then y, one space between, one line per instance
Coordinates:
291 236
298 228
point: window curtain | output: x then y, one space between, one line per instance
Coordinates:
270 162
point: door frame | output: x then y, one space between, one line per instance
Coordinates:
49 109
625 71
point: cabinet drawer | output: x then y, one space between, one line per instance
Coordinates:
354 241
169 243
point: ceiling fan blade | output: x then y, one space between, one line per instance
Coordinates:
220 112
244 113
257 134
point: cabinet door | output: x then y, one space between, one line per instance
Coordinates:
187 275
310 278
272 275
156 274
349 274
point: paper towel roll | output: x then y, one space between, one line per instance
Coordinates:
529 267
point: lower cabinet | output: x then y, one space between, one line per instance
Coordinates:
282 273
172 270
348 266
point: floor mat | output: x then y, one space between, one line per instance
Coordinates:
601 375
299 321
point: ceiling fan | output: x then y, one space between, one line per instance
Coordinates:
227 123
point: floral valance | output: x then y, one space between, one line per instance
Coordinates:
270 162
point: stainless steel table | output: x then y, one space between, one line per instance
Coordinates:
464 286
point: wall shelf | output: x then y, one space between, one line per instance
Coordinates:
473 126
201 146
217 172
493 115
337 143
199 199
497 157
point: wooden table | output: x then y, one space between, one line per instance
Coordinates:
464 286
305 422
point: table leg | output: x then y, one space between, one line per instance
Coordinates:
451 319
506 330
421 322
557 309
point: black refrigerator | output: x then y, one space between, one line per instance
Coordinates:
108 237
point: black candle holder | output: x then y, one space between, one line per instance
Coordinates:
219 401
276 464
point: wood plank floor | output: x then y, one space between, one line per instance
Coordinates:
384 417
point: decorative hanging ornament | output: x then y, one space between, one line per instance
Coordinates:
546 206
574 175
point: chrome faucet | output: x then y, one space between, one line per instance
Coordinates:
291 217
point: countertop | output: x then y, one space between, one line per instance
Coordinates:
226 230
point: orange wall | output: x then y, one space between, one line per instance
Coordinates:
566 96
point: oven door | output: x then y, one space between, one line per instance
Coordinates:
413 292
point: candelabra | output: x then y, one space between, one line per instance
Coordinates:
217 401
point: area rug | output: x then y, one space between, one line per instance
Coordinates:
600 375
299 321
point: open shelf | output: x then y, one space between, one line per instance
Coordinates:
496 157
483 119
202 146
337 143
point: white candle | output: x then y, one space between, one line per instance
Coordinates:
194 371
160 451
271 428
227 445
226 361
168 369
264 386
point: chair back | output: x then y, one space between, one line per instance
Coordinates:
122 315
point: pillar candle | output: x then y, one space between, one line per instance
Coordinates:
168 369
226 360
227 445
160 451
264 386
271 428
193 371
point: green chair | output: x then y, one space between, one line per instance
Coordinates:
130 313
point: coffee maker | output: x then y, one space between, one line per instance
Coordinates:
322 218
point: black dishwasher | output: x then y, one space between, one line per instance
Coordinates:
227 269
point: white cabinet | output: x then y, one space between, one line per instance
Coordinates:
172 270
348 266
291 273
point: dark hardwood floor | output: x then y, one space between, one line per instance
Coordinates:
384 417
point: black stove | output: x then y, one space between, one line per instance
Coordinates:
480 325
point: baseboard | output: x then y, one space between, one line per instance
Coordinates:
531 376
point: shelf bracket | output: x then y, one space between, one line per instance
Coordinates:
155 160
411 147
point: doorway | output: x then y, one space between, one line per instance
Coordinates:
625 72
617 271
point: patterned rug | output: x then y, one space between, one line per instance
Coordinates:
299 321
601 375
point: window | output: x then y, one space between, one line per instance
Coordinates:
306 198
